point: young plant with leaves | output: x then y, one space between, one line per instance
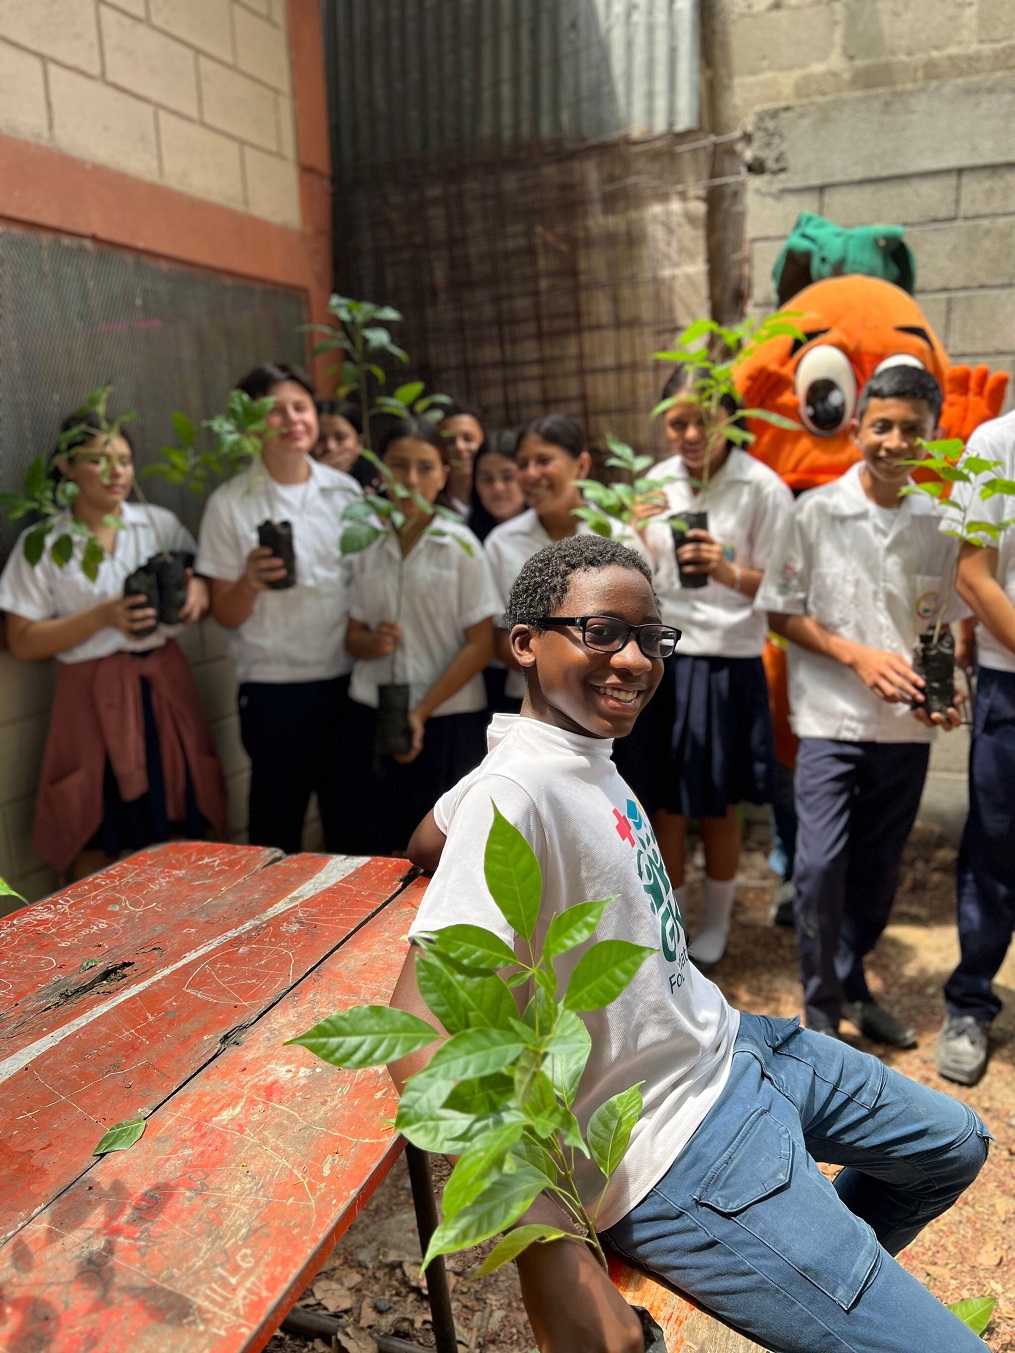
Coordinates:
944 466
625 501
52 500
499 1089
378 513
361 333
238 434
710 352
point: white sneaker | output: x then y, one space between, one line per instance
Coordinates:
960 1053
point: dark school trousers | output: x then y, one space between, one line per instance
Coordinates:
986 873
856 803
294 734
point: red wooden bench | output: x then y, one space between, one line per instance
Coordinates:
164 988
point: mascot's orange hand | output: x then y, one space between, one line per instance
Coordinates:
972 396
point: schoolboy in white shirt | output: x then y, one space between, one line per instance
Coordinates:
856 575
719 1191
986 873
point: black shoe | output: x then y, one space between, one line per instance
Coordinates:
879 1024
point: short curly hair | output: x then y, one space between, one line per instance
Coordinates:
543 582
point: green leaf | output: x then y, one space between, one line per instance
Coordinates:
567 1052
366 1035
476 1052
515 1242
610 1128
512 875
488 1096
35 543
986 528
427 1122
573 927
120 1136
7 891
358 536
974 1312
91 559
460 1001
408 393
530 1151
186 432
995 486
500 1204
62 551
477 1166
775 419
473 947
603 972
88 963
978 465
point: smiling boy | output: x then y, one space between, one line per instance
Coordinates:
718 1192
857 573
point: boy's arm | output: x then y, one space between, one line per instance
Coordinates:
888 675
571 1303
426 844
978 586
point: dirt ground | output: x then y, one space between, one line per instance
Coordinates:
373 1277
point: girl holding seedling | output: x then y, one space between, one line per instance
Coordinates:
129 759
420 617
706 743
285 618
551 458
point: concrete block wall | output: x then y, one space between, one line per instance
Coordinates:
193 94
892 111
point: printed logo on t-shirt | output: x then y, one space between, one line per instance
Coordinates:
634 828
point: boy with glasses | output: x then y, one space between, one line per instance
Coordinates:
718 1191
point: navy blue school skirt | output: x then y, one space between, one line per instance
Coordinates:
390 799
705 740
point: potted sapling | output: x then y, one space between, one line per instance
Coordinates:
707 380
499 1090
366 520
982 479
238 435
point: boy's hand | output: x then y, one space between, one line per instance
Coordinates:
416 725
888 675
950 719
572 1305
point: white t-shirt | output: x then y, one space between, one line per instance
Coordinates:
995 441
297 633
833 561
445 589
747 504
48 592
671 1028
509 547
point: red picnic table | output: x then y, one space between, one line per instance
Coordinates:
164 988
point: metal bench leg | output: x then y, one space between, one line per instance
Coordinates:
445 1338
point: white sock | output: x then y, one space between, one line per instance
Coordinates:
709 944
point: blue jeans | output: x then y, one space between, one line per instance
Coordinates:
746 1224
986 874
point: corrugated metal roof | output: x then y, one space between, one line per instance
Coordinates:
411 78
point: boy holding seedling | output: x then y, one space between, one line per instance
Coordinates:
858 572
986 874
718 1191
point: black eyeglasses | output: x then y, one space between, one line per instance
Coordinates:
607 634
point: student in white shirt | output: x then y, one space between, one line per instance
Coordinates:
551 457
496 493
125 705
288 644
421 611
986 872
856 575
705 745
719 1191
462 429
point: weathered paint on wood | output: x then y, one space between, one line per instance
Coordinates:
120 1059
686 1329
204 1233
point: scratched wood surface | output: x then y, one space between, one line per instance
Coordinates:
252 1163
686 1329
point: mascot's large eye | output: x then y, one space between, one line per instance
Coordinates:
826 388
899 359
